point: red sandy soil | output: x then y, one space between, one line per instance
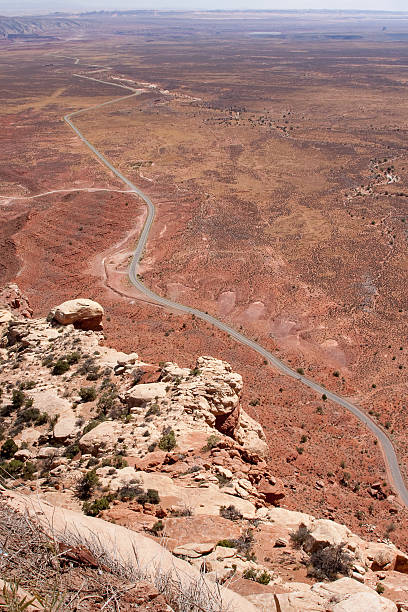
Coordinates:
259 224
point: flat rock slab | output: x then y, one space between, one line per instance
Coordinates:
65 427
201 528
194 549
49 402
139 395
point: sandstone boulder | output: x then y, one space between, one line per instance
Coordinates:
64 428
140 395
101 437
347 592
299 601
326 533
5 315
250 435
194 549
81 312
151 462
48 401
382 556
23 454
272 490
12 298
288 519
362 602
401 562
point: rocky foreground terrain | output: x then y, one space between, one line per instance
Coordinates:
130 485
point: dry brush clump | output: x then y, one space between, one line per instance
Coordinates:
67 571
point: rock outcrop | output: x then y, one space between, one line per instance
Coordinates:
83 313
167 452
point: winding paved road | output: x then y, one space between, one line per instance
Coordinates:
385 442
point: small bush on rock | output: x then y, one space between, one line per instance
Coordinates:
87 394
154 410
94 508
330 561
212 442
73 357
153 496
231 513
17 399
300 536
12 468
60 367
72 451
108 401
250 574
264 577
87 484
129 492
157 527
168 441
8 449
226 543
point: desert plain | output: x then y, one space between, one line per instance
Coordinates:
273 146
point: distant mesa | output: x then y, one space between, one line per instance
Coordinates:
267 34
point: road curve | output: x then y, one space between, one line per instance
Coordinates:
385 442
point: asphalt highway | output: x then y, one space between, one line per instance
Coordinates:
390 456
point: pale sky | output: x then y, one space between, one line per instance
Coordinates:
15 7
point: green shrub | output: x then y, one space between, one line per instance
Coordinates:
129 492
154 410
48 361
107 401
28 470
8 449
250 574
153 496
264 577
13 467
168 441
73 357
95 507
87 394
42 419
119 462
30 415
17 399
91 425
212 442
28 384
60 367
72 451
87 484
226 543
157 527
379 588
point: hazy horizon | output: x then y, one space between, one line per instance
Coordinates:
33 7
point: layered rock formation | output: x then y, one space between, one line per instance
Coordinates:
167 452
